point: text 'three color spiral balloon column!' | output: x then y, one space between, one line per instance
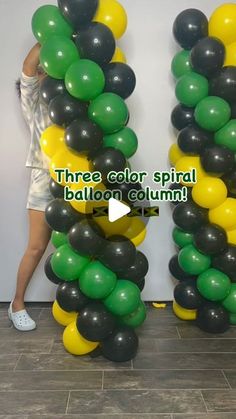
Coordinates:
96 265
205 232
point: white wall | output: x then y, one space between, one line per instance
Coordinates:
149 47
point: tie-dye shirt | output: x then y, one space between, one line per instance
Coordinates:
36 115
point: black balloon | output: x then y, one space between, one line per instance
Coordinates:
83 135
177 272
138 270
190 26
125 188
193 139
49 272
140 283
60 215
213 318
210 239
120 79
96 42
207 56
217 159
108 159
121 346
226 262
70 298
95 322
50 88
189 216
56 189
86 237
187 295
230 181
78 12
63 109
233 110
223 84
178 186
118 253
182 116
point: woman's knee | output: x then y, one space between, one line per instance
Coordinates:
36 250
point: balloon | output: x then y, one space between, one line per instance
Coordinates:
217 159
213 318
124 140
47 21
209 192
63 317
232 318
70 298
108 159
136 318
187 295
231 236
58 239
184 313
178 186
136 271
230 59
117 227
83 135
177 272
50 88
191 89
229 302
187 164
97 281
49 272
68 160
212 113
86 237
175 154
194 140
181 64
181 238
210 239
182 116
124 299
193 262
226 262
78 12
140 283
189 216
213 285
118 253
113 15
223 84
222 23
95 322
56 56
74 343
56 189
189 27
136 232
52 139
230 182
67 264
96 43
84 80
207 56
119 79
225 214
109 111
125 188
119 56
60 215
226 136
63 109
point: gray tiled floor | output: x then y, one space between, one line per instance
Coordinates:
179 373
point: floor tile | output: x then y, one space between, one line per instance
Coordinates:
231 377
220 401
54 331
203 416
162 331
19 346
77 416
195 345
8 362
191 331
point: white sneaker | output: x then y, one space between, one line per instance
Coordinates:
21 320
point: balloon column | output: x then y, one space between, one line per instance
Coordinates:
98 270
205 231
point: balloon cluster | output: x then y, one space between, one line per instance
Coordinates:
99 272
205 231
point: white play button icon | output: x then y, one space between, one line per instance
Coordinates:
116 210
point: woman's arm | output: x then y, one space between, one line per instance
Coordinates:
31 62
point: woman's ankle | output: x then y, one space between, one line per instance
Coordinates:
17 305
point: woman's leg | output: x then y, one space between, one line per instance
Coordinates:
39 236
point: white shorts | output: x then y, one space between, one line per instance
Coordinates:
39 194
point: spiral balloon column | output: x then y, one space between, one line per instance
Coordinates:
96 265
205 232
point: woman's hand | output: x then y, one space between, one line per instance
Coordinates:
31 62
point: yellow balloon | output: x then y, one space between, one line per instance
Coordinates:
223 22
112 14
61 316
230 57
84 207
231 236
186 164
117 227
175 154
119 56
225 214
136 231
66 159
209 192
52 140
183 313
74 343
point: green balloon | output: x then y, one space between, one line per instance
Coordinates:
109 111
97 281
67 264
136 318
124 140
192 261
57 55
58 239
181 64
232 318
191 89
212 113
85 80
181 237
213 285
48 21
230 301
124 299
226 136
